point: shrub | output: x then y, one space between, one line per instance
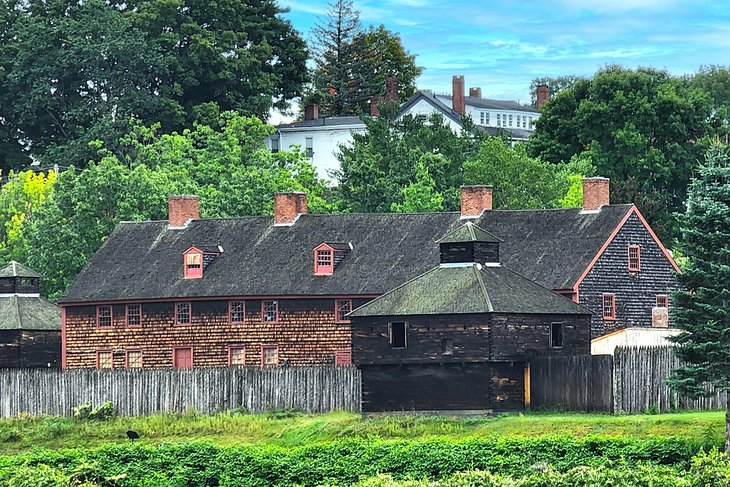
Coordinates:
101 413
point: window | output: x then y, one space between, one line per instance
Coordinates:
324 262
447 346
556 335
662 301
182 313
309 145
269 355
26 281
609 306
104 316
182 358
237 311
274 146
397 332
634 258
499 120
134 359
343 358
486 118
510 120
531 123
104 359
270 311
193 265
134 315
524 121
518 121
236 356
342 307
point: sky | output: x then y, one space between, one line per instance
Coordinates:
501 45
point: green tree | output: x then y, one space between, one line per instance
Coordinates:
639 127
702 310
556 84
715 80
421 195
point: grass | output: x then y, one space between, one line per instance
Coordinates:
292 429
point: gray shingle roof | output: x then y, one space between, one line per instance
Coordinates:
322 122
28 313
16 269
466 290
143 260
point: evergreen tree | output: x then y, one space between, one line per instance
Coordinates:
703 309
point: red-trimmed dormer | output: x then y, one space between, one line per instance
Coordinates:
327 255
196 259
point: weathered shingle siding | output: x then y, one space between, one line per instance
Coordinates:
635 291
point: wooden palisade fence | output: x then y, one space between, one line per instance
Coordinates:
633 380
205 390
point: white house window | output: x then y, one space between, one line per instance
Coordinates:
274 145
510 120
518 121
309 145
499 120
524 121
481 118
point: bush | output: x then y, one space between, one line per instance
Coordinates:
101 413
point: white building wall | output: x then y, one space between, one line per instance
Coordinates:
426 109
526 119
634 337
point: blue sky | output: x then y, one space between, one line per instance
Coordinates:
501 45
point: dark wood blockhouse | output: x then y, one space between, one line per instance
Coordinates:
461 335
263 291
30 326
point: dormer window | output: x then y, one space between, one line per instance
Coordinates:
327 255
196 259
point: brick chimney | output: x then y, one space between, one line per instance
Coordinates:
374 111
595 193
477 92
311 112
475 200
391 88
288 207
543 95
458 101
181 210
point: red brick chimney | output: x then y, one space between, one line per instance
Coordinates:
181 210
458 101
595 193
311 112
374 112
477 92
543 95
475 200
391 88
288 207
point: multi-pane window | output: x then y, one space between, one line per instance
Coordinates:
324 262
524 121
518 121
634 258
342 307
662 301
481 118
134 315
510 120
193 265
609 306
274 145
270 311
269 355
237 356
398 334
104 360
556 335
182 313
309 145
238 311
499 120
104 316
134 359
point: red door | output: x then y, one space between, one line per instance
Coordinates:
183 358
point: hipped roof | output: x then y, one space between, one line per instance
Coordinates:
28 313
16 269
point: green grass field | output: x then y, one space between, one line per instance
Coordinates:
288 430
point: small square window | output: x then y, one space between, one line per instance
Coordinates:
104 316
238 311
104 360
447 346
634 258
609 306
342 308
269 355
662 301
237 356
134 359
398 334
183 312
270 311
556 335
134 315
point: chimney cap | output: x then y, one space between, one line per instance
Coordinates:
477 186
289 192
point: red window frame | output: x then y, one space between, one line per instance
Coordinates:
192 270
242 311
635 260
269 347
662 297
263 311
231 348
111 358
190 313
339 317
612 298
99 316
174 357
126 358
324 260
129 315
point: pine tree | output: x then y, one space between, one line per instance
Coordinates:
703 309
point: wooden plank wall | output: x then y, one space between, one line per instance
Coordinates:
205 390
572 383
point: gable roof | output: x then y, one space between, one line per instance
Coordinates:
28 313
323 122
143 260
432 100
16 269
468 232
469 289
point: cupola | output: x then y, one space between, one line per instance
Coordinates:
197 258
16 279
469 244
328 255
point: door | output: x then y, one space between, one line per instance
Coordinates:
182 358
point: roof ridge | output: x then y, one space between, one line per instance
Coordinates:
488 301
